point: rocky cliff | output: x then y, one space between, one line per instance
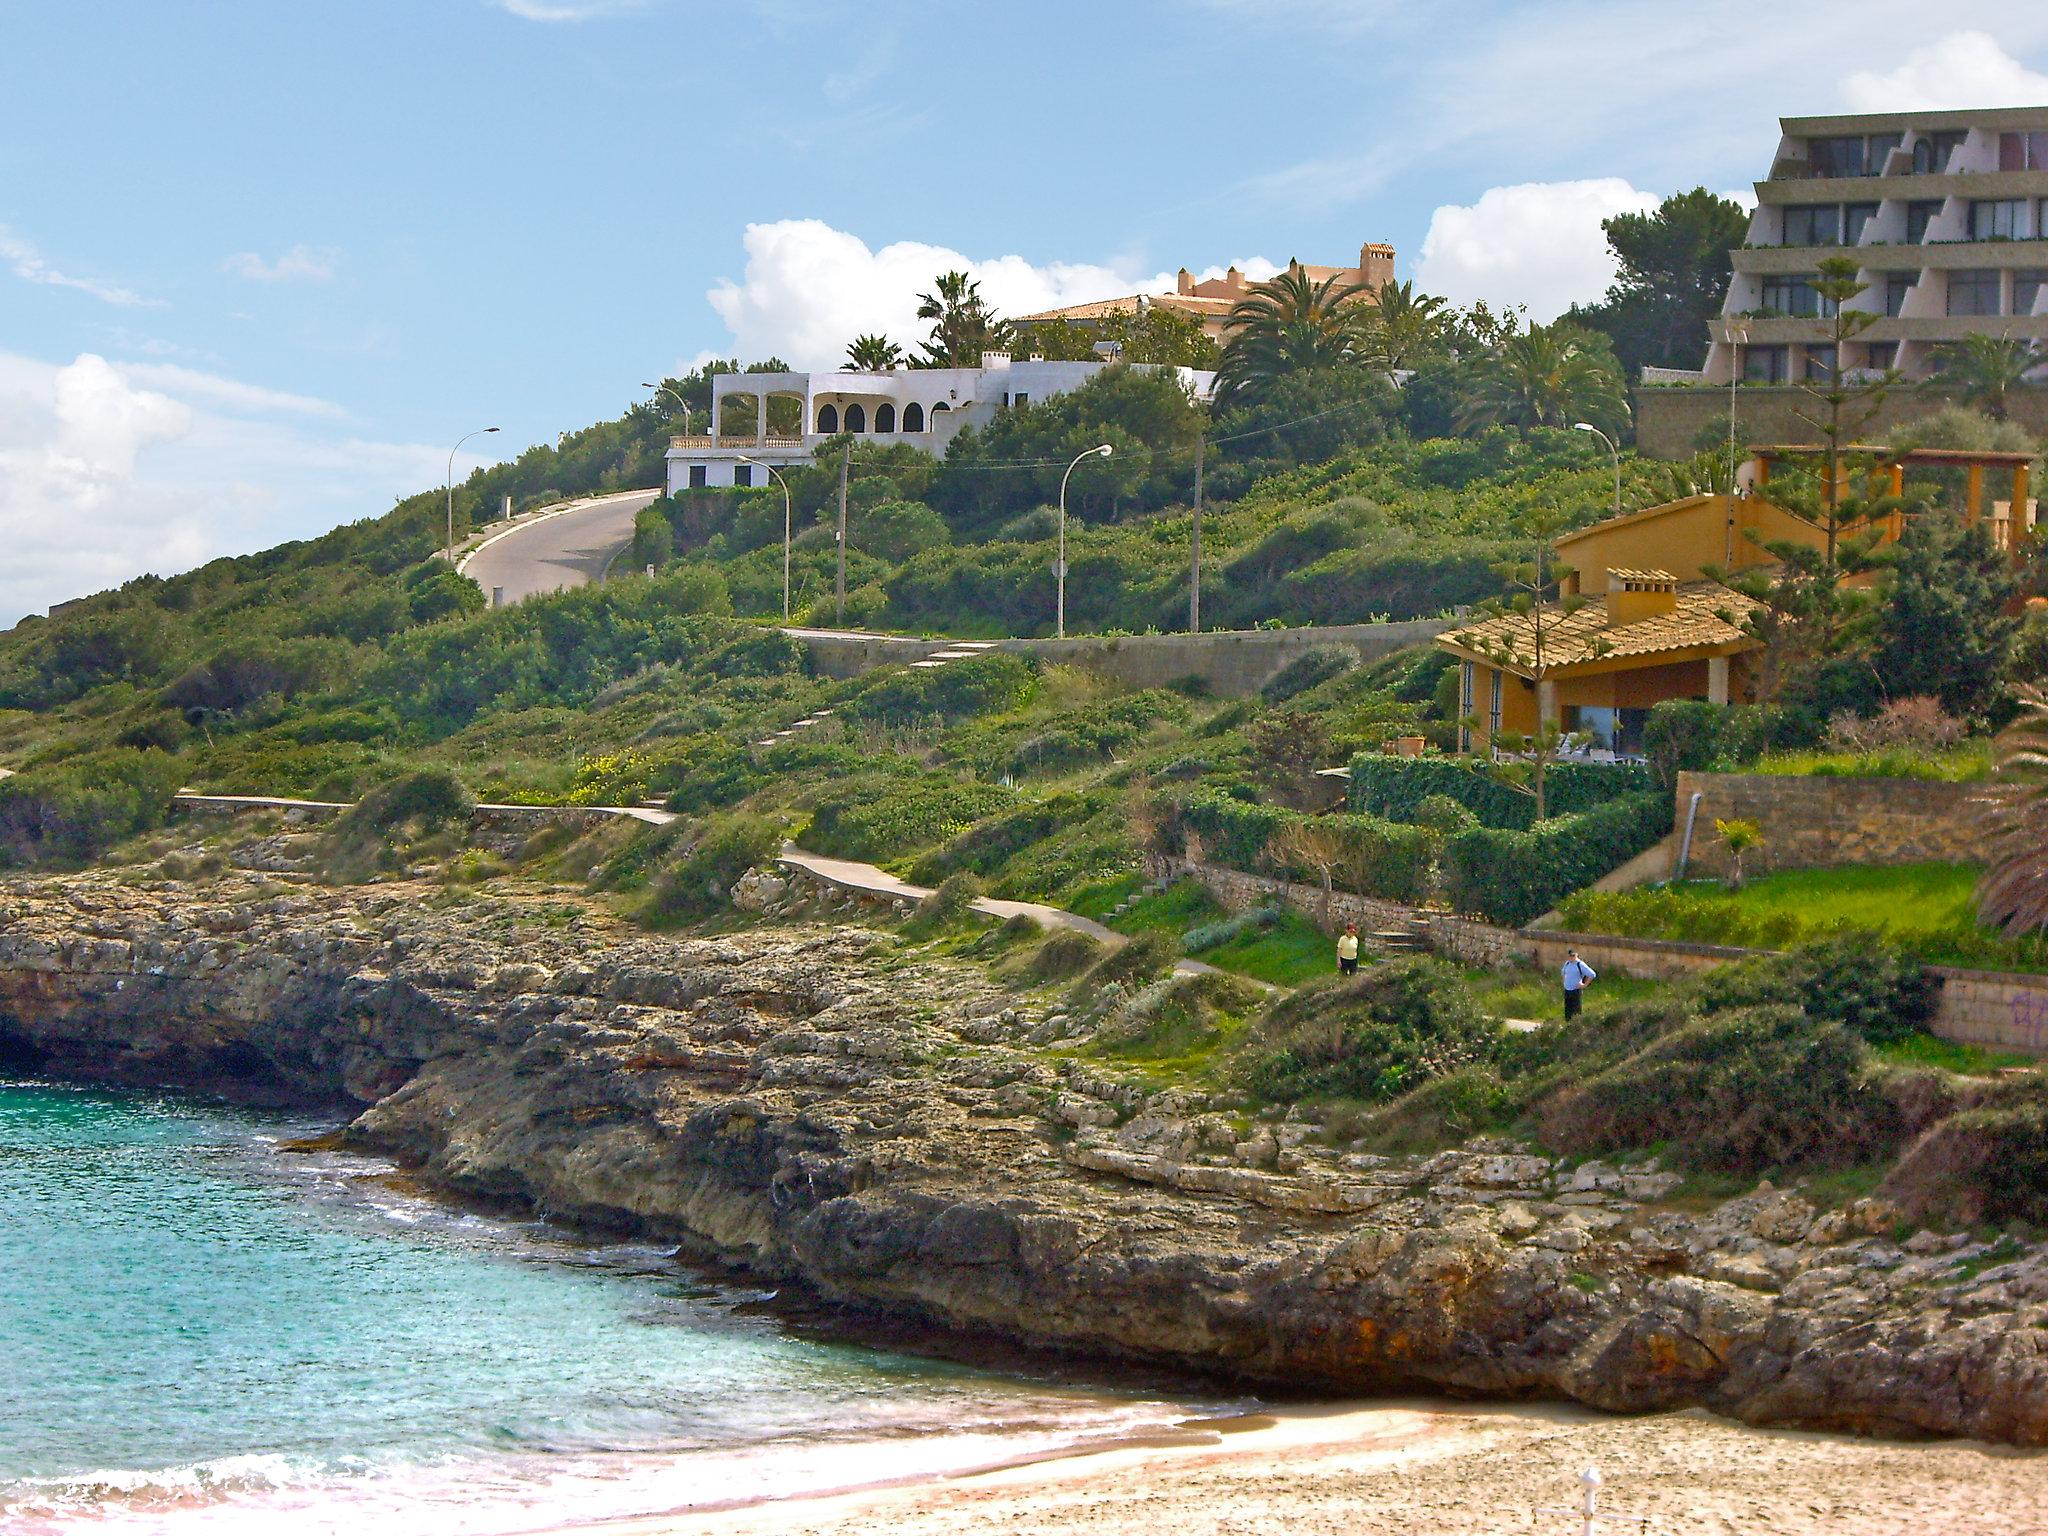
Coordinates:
810 1100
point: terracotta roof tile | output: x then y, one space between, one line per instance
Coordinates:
1707 614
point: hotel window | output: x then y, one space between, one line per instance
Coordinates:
1896 287
2003 218
2023 151
1813 224
1918 217
1854 218
1820 364
1973 291
743 475
1931 153
1836 157
2026 289
1794 294
1882 354
1764 365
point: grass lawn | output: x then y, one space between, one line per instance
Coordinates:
1928 911
1967 762
1284 954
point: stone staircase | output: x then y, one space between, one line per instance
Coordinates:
1149 888
958 650
1407 938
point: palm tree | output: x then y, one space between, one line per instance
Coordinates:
2014 890
963 326
1547 376
1284 325
873 354
1403 325
1985 370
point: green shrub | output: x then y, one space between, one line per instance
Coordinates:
896 530
1383 785
1372 1036
1066 952
72 811
1444 815
1854 979
885 816
952 900
654 540
1209 935
1513 877
1373 857
714 856
428 796
1743 1091
1310 669
973 685
1132 963
1682 735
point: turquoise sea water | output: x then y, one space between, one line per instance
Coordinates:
201 1331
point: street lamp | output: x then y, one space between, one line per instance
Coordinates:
1737 335
670 389
1059 570
785 527
1587 426
479 432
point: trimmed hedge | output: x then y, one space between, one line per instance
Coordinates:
884 816
1379 858
1395 787
1511 877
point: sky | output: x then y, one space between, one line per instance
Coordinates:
262 263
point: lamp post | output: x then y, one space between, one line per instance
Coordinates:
785 527
1059 570
1737 335
1587 426
673 392
479 432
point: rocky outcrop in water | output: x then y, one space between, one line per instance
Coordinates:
813 1102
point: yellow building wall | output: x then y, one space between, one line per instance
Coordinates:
1721 531
1622 688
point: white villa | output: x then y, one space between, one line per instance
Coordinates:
924 407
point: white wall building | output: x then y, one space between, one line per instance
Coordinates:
923 407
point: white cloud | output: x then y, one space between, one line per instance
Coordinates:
108 470
809 289
1963 69
1539 244
27 263
566 10
300 263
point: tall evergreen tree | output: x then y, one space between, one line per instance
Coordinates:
1944 628
1672 269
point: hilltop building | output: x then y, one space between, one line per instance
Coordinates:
1653 624
924 408
1209 300
1946 215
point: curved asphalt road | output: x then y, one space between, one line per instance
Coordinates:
567 547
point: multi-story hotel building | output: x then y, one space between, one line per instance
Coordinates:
1945 214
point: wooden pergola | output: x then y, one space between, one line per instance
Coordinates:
1893 463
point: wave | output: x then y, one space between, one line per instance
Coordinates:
499 1496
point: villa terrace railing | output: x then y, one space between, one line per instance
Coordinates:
735 442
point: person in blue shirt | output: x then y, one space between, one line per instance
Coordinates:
1576 973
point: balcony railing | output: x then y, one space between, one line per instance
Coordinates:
740 443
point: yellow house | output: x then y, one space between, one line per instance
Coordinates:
1653 625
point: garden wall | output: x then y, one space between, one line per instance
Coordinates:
1237 891
1814 820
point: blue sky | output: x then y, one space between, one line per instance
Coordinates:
260 263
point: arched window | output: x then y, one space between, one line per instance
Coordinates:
856 419
941 406
913 417
828 418
885 417
1923 157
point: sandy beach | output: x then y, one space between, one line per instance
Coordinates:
1431 1469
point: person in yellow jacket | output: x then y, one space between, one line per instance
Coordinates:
1347 950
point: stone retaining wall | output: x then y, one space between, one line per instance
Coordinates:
1999 1010
1812 820
1240 892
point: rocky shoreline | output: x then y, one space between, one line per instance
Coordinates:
809 1100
